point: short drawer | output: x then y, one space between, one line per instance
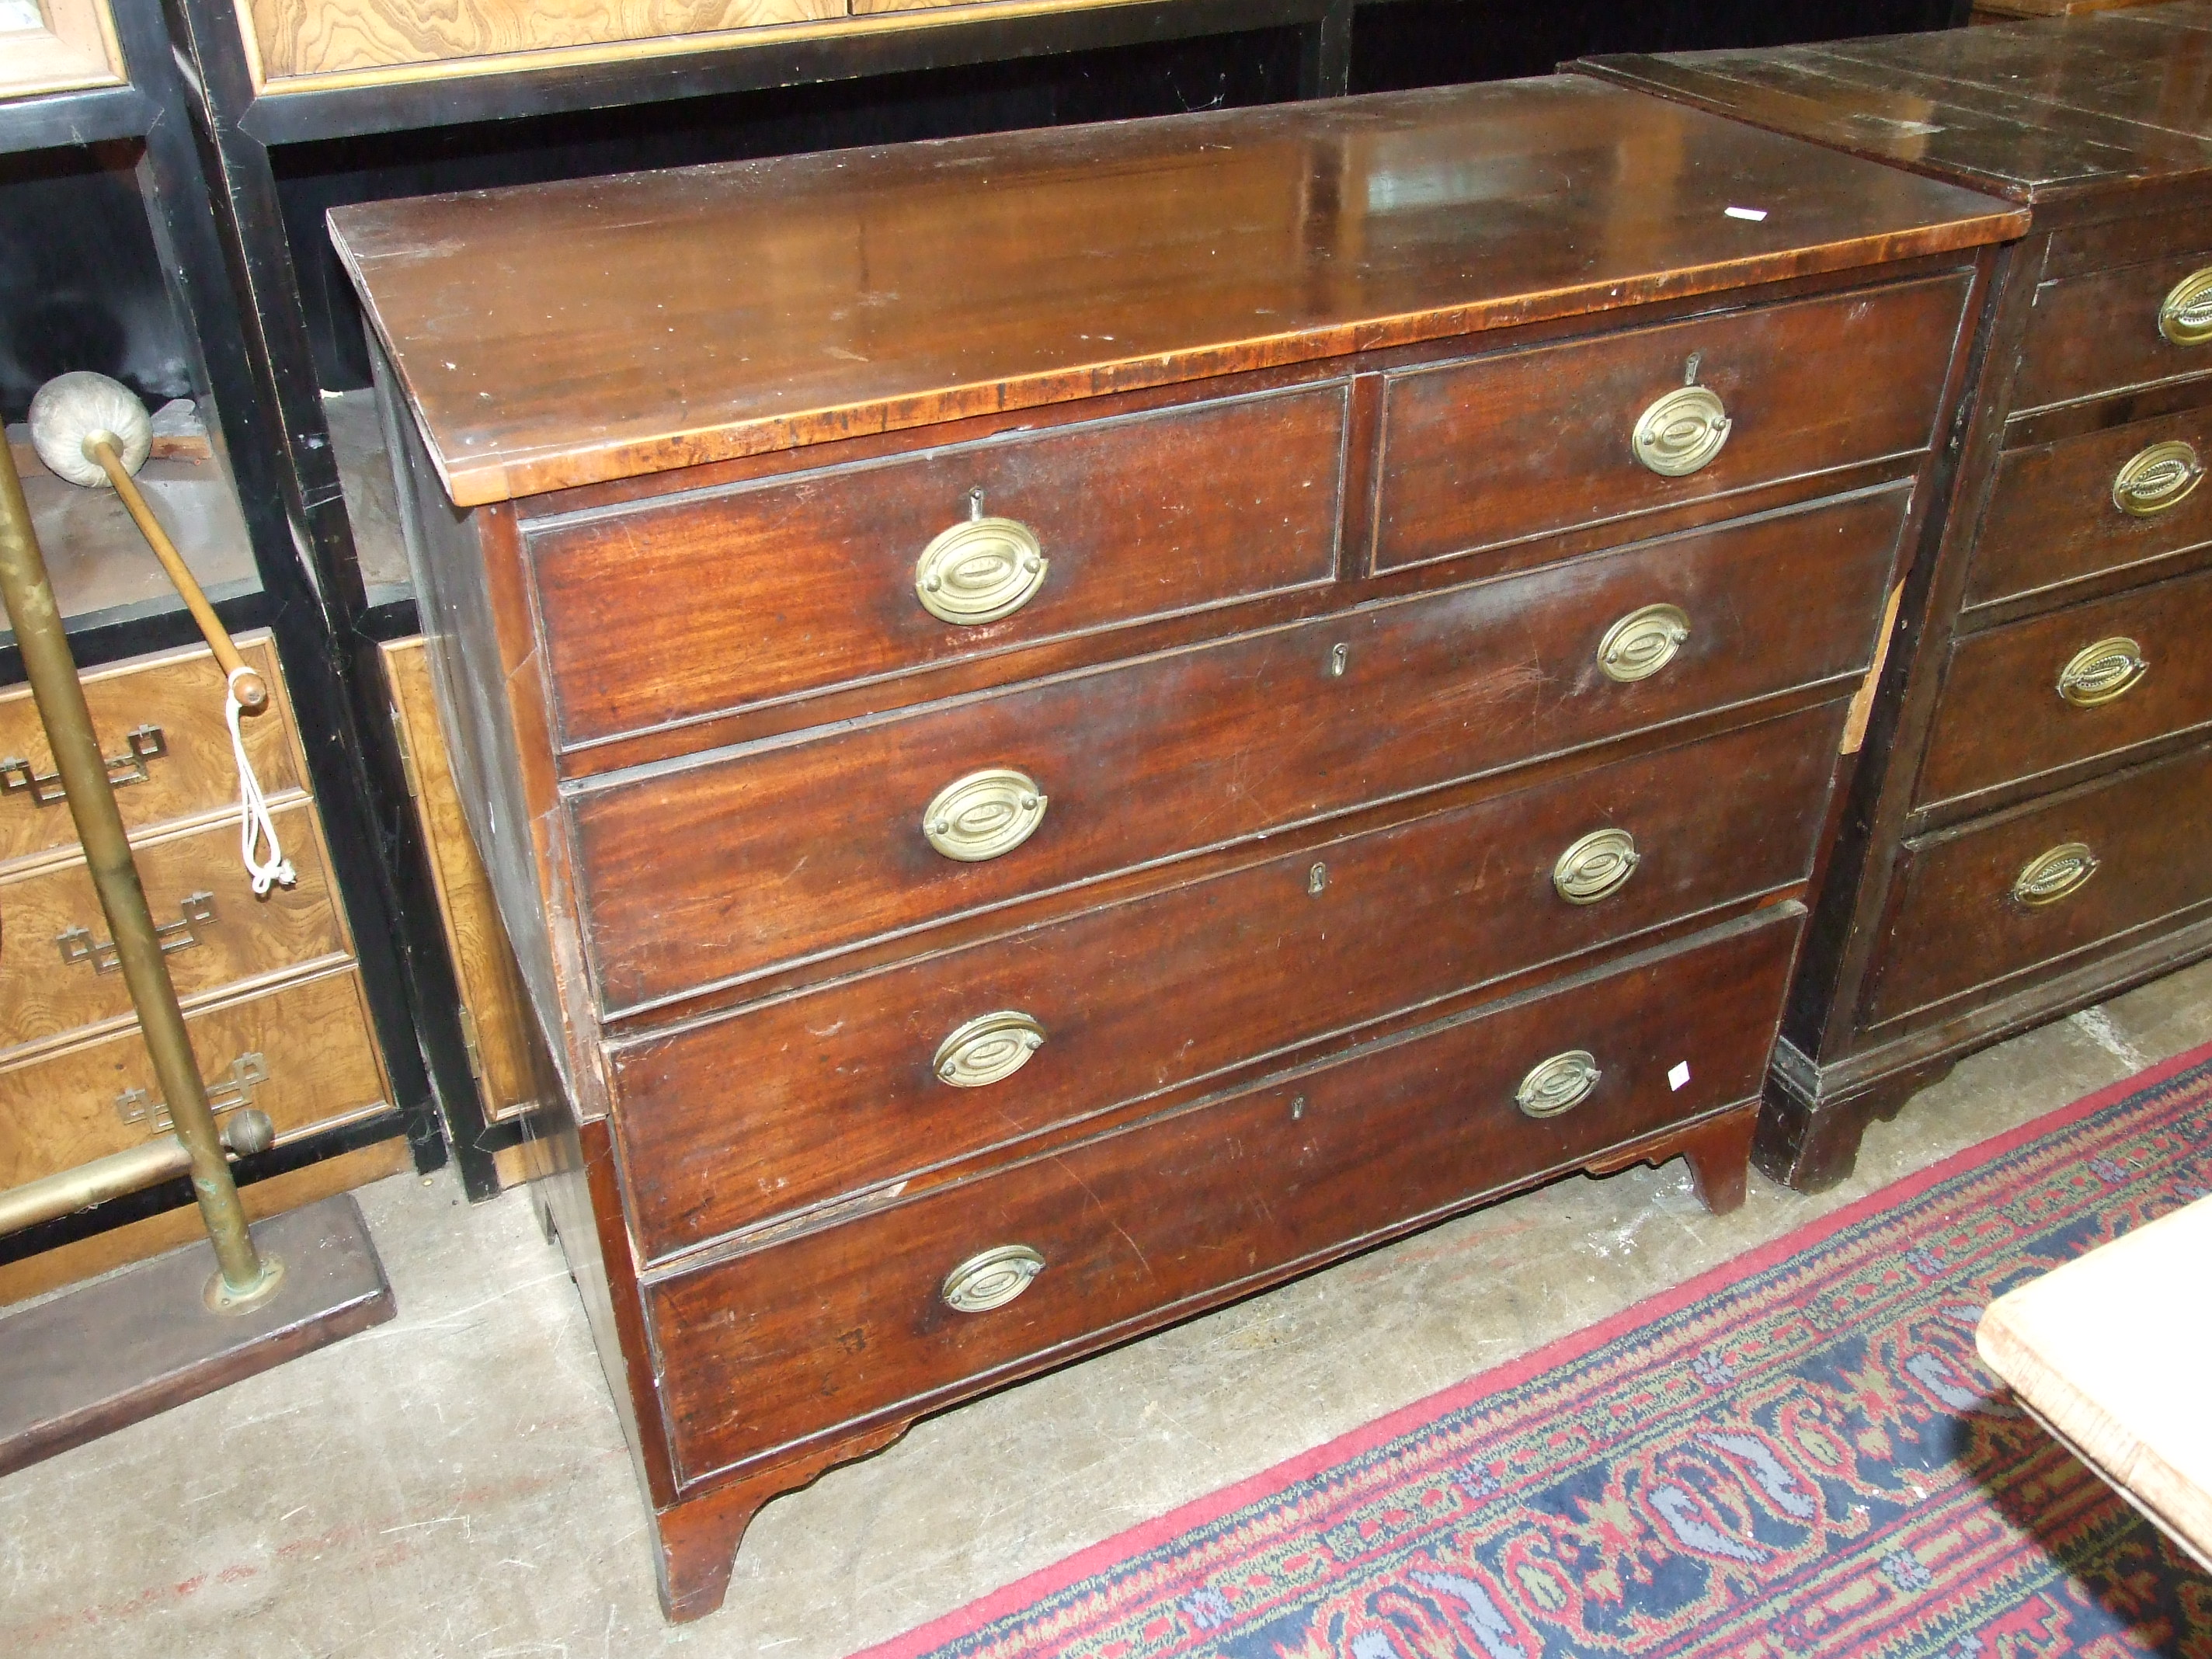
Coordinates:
303 1053
769 1348
2085 681
59 972
696 876
161 723
692 605
2106 501
1482 453
2112 329
1978 904
802 1100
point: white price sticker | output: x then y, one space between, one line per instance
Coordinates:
1678 1074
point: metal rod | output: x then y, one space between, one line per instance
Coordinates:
68 1191
44 641
100 448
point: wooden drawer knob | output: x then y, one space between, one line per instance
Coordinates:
979 570
2098 673
991 1279
1597 866
987 1049
1681 432
2184 316
1558 1084
2157 479
984 815
1642 642
2057 874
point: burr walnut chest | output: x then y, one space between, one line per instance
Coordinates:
1068 725
2028 835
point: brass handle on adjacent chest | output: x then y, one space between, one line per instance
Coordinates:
1642 642
979 571
2098 673
991 1279
987 1049
984 815
1596 867
2184 316
2052 876
1681 432
140 745
1558 1084
2157 479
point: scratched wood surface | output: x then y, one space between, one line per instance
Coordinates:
657 321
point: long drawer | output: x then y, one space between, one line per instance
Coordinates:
160 725
303 1054
697 875
1994 898
2104 501
820 1095
2102 332
2085 681
59 972
777 1346
1480 454
853 573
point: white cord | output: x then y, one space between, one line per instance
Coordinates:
254 825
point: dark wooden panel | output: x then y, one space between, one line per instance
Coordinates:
791 1340
1495 451
694 876
698 603
1954 925
563 333
2100 332
2002 717
2052 518
773 1110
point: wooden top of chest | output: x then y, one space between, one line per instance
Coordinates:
2039 112
570 333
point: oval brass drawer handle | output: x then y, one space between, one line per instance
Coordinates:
2157 479
984 815
1597 866
987 1049
2184 316
1558 1084
1642 642
1681 432
991 1279
979 571
2051 876
2098 673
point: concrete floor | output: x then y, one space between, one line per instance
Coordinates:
453 1483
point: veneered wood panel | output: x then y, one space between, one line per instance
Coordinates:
697 875
72 46
832 1091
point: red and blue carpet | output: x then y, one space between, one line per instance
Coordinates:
1796 1454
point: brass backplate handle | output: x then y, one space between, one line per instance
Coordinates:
991 1279
2100 673
2052 876
987 1049
1681 432
979 570
140 745
2184 316
77 944
984 815
1558 1084
245 1074
2157 478
1642 642
1596 867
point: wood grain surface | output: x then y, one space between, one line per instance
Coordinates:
75 47
567 333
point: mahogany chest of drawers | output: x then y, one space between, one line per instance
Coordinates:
1068 725
2028 836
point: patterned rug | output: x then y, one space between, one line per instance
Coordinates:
1797 1454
